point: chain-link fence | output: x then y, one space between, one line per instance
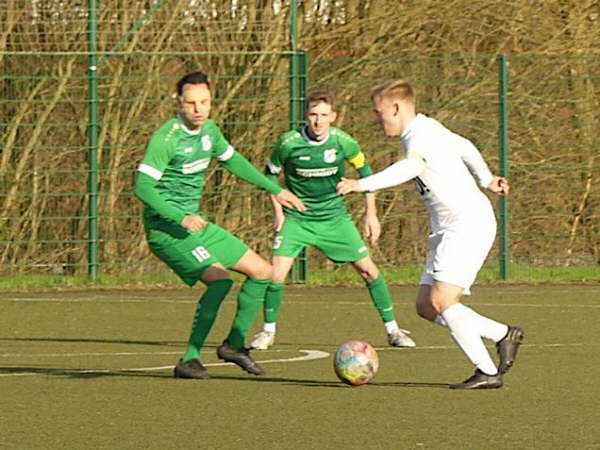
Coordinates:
45 150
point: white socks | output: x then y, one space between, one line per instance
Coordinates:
390 326
467 328
270 327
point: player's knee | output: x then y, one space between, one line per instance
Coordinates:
264 271
426 311
421 310
278 276
369 274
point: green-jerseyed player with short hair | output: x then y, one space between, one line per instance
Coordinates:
312 159
170 182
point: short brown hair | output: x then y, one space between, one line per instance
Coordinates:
395 90
192 78
321 96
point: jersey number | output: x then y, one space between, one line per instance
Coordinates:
421 187
277 242
201 254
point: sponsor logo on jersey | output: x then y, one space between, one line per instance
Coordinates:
329 155
304 158
195 166
314 173
188 150
206 143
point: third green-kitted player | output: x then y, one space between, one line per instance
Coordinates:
312 159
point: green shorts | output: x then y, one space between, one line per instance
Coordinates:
189 254
338 238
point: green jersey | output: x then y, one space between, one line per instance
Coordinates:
178 159
312 169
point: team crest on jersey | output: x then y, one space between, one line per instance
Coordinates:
329 155
206 143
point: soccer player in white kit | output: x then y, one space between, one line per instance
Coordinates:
446 169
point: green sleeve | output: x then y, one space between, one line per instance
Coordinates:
221 147
365 171
354 155
145 190
241 167
274 164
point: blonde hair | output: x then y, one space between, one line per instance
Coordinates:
398 90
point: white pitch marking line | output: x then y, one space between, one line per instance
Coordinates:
309 356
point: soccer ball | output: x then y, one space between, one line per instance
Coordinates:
355 362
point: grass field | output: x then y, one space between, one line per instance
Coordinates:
92 370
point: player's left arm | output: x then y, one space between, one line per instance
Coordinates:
480 170
238 165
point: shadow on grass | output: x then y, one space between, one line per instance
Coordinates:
100 373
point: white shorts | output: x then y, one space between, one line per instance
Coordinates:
456 254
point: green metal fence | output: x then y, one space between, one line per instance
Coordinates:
80 98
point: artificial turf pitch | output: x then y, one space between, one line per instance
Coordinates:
88 370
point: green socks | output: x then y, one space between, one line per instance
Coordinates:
250 301
382 300
273 302
206 313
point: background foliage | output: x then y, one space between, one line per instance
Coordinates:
448 49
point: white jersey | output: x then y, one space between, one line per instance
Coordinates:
446 183
443 165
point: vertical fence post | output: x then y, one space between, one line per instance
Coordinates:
299 273
503 143
92 152
297 81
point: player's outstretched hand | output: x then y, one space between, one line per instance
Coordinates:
193 223
348 185
372 228
499 186
289 200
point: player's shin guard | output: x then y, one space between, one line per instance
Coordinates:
380 295
206 313
250 301
273 302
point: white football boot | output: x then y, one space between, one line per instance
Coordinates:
399 338
263 340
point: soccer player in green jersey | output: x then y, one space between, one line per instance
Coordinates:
312 159
170 182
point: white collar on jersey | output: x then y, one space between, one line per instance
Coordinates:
186 129
414 122
312 141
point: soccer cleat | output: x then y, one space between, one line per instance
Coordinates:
263 340
239 357
399 338
190 369
508 346
480 380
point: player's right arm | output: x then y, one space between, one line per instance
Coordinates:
150 171
396 174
